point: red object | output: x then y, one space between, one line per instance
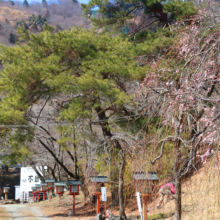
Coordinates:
145 208
38 197
33 197
44 196
73 190
50 185
172 188
60 190
98 204
98 194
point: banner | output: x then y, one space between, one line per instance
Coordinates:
28 178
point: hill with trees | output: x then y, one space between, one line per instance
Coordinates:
62 15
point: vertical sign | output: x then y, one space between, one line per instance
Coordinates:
104 197
139 202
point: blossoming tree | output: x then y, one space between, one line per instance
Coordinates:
182 87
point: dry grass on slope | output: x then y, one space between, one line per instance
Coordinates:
12 15
201 200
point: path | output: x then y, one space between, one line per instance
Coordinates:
23 212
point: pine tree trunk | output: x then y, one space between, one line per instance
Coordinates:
120 189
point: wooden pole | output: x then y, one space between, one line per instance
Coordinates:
98 204
105 209
145 207
73 204
23 197
33 197
6 196
38 196
59 199
44 196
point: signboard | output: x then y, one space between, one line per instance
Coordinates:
104 196
28 178
139 202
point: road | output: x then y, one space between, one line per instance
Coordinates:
23 212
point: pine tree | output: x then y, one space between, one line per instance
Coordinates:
158 13
44 3
26 4
12 38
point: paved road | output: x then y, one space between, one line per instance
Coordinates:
23 212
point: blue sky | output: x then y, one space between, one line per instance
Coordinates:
80 1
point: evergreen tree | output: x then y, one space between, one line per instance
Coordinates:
44 3
26 4
94 69
12 38
159 13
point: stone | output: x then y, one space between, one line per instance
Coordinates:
99 217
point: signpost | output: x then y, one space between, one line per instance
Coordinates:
6 191
33 192
98 183
104 197
44 189
59 189
38 190
139 204
50 186
146 182
74 190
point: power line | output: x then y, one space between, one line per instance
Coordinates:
130 117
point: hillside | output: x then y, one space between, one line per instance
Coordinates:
62 15
10 15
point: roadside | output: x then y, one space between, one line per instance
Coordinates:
21 212
3 214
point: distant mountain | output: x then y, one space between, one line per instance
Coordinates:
63 14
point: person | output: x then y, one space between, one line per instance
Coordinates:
167 189
109 213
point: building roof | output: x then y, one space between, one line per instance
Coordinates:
145 176
49 180
74 183
43 184
33 187
60 184
98 179
37 185
5 187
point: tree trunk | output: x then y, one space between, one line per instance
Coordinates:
177 181
37 172
107 133
121 188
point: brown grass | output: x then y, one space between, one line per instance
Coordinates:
3 214
12 15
